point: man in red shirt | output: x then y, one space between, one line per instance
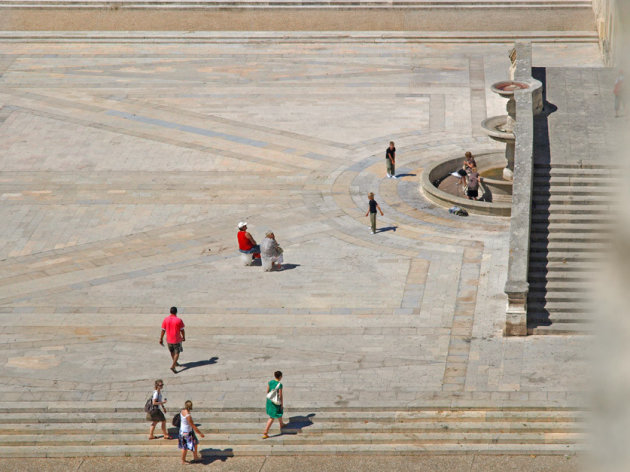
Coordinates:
175 336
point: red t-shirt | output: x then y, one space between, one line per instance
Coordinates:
243 242
172 325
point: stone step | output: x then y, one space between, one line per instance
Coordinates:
543 299
306 438
584 246
608 172
544 276
570 209
317 427
316 15
565 257
570 306
583 165
585 199
560 268
559 317
336 36
547 191
266 447
579 227
38 429
239 417
557 287
575 237
573 181
560 329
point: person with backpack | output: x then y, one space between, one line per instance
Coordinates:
187 428
275 403
152 407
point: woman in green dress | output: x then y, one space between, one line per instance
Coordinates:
273 410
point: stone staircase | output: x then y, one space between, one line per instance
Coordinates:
296 15
571 223
41 431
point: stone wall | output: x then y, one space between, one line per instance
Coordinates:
608 23
528 103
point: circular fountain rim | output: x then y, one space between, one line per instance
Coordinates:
489 125
444 199
500 87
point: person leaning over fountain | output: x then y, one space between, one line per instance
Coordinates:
473 185
467 168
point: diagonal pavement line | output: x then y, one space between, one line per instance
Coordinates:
99 123
240 124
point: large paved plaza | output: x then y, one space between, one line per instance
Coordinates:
125 168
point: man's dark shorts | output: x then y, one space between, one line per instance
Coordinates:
175 348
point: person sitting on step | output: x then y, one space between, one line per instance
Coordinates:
246 242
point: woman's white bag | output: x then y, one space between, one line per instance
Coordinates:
274 395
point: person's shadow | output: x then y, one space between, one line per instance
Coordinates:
387 228
289 266
210 455
296 424
192 365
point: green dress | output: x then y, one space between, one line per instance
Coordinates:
274 411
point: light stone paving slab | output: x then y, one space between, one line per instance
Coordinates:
125 168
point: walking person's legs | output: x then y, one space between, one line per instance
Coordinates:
152 430
266 431
373 222
184 451
164 431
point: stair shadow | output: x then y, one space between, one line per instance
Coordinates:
537 313
210 455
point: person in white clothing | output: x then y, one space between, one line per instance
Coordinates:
187 438
271 252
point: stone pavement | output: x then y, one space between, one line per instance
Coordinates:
471 463
125 168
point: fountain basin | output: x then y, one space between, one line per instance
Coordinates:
493 127
500 190
506 88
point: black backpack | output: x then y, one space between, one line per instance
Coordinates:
177 420
148 406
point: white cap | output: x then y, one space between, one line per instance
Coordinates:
241 224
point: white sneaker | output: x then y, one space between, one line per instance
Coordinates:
394 177
389 176
372 232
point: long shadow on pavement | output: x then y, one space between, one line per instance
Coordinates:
192 365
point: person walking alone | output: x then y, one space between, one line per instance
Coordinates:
187 438
274 410
175 336
373 206
390 160
155 415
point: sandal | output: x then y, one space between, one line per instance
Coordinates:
265 436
